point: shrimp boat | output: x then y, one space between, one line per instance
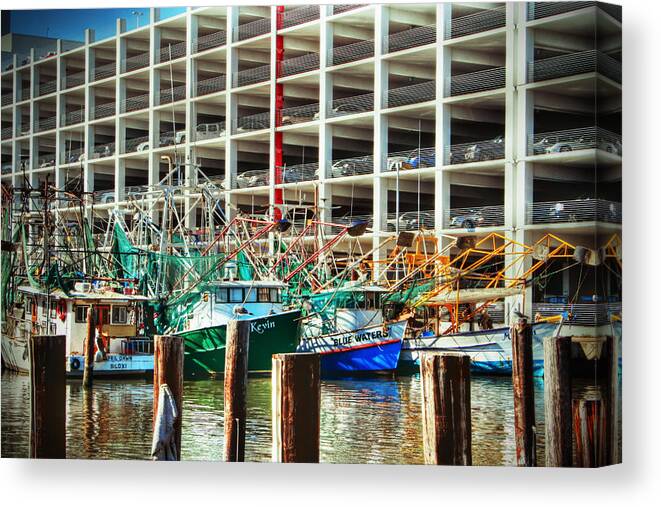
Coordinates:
120 348
353 336
273 329
490 349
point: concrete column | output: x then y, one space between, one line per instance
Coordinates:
59 117
88 134
380 191
272 111
34 81
325 131
442 125
231 110
190 169
153 162
120 131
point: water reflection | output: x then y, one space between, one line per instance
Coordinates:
362 421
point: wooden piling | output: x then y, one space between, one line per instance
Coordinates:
88 371
169 369
524 395
236 381
446 408
48 397
611 396
296 398
590 422
557 401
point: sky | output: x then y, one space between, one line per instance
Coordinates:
71 23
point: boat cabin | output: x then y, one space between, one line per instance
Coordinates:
235 299
119 317
358 307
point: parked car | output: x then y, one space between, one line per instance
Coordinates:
143 146
553 144
348 167
614 147
468 220
209 130
106 197
397 163
256 178
103 151
297 174
47 163
167 139
411 221
421 158
6 168
492 149
72 158
291 119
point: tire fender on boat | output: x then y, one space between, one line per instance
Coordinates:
75 363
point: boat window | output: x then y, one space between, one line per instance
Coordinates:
236 295
81 314
251 295
263 295
119 315
275 295
53 306
221 296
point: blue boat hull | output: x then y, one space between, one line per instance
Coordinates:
381 357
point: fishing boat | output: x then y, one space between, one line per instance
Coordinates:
120 348
348 330
273 329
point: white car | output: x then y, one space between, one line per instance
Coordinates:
398 162
143 146
209 130
256 178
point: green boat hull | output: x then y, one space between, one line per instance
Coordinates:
204 353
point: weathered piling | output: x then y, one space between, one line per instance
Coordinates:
590 422
296 399
88 371
557 401
524 394
236 380
48 396
169 369
611 395
446 408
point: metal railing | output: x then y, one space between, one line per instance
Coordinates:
298 15
583 138
298 114
576 210
488 19
7 98
7 133
414 37
73 156
103 111
298 65
105 71
482 80
252 29
478 151
586 314
136 62
411 159
257 121
472 218
172 94
103 150
7 168
47 87
575 63
172 52
211 40
410 220
351 105
338 8
411 94
252 76
538 10
249 179
210 130
73 117
136 144
131 347
211 85
352 52
135 103
300 172
352 166
45 124
73 80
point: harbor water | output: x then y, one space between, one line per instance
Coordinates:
373 420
